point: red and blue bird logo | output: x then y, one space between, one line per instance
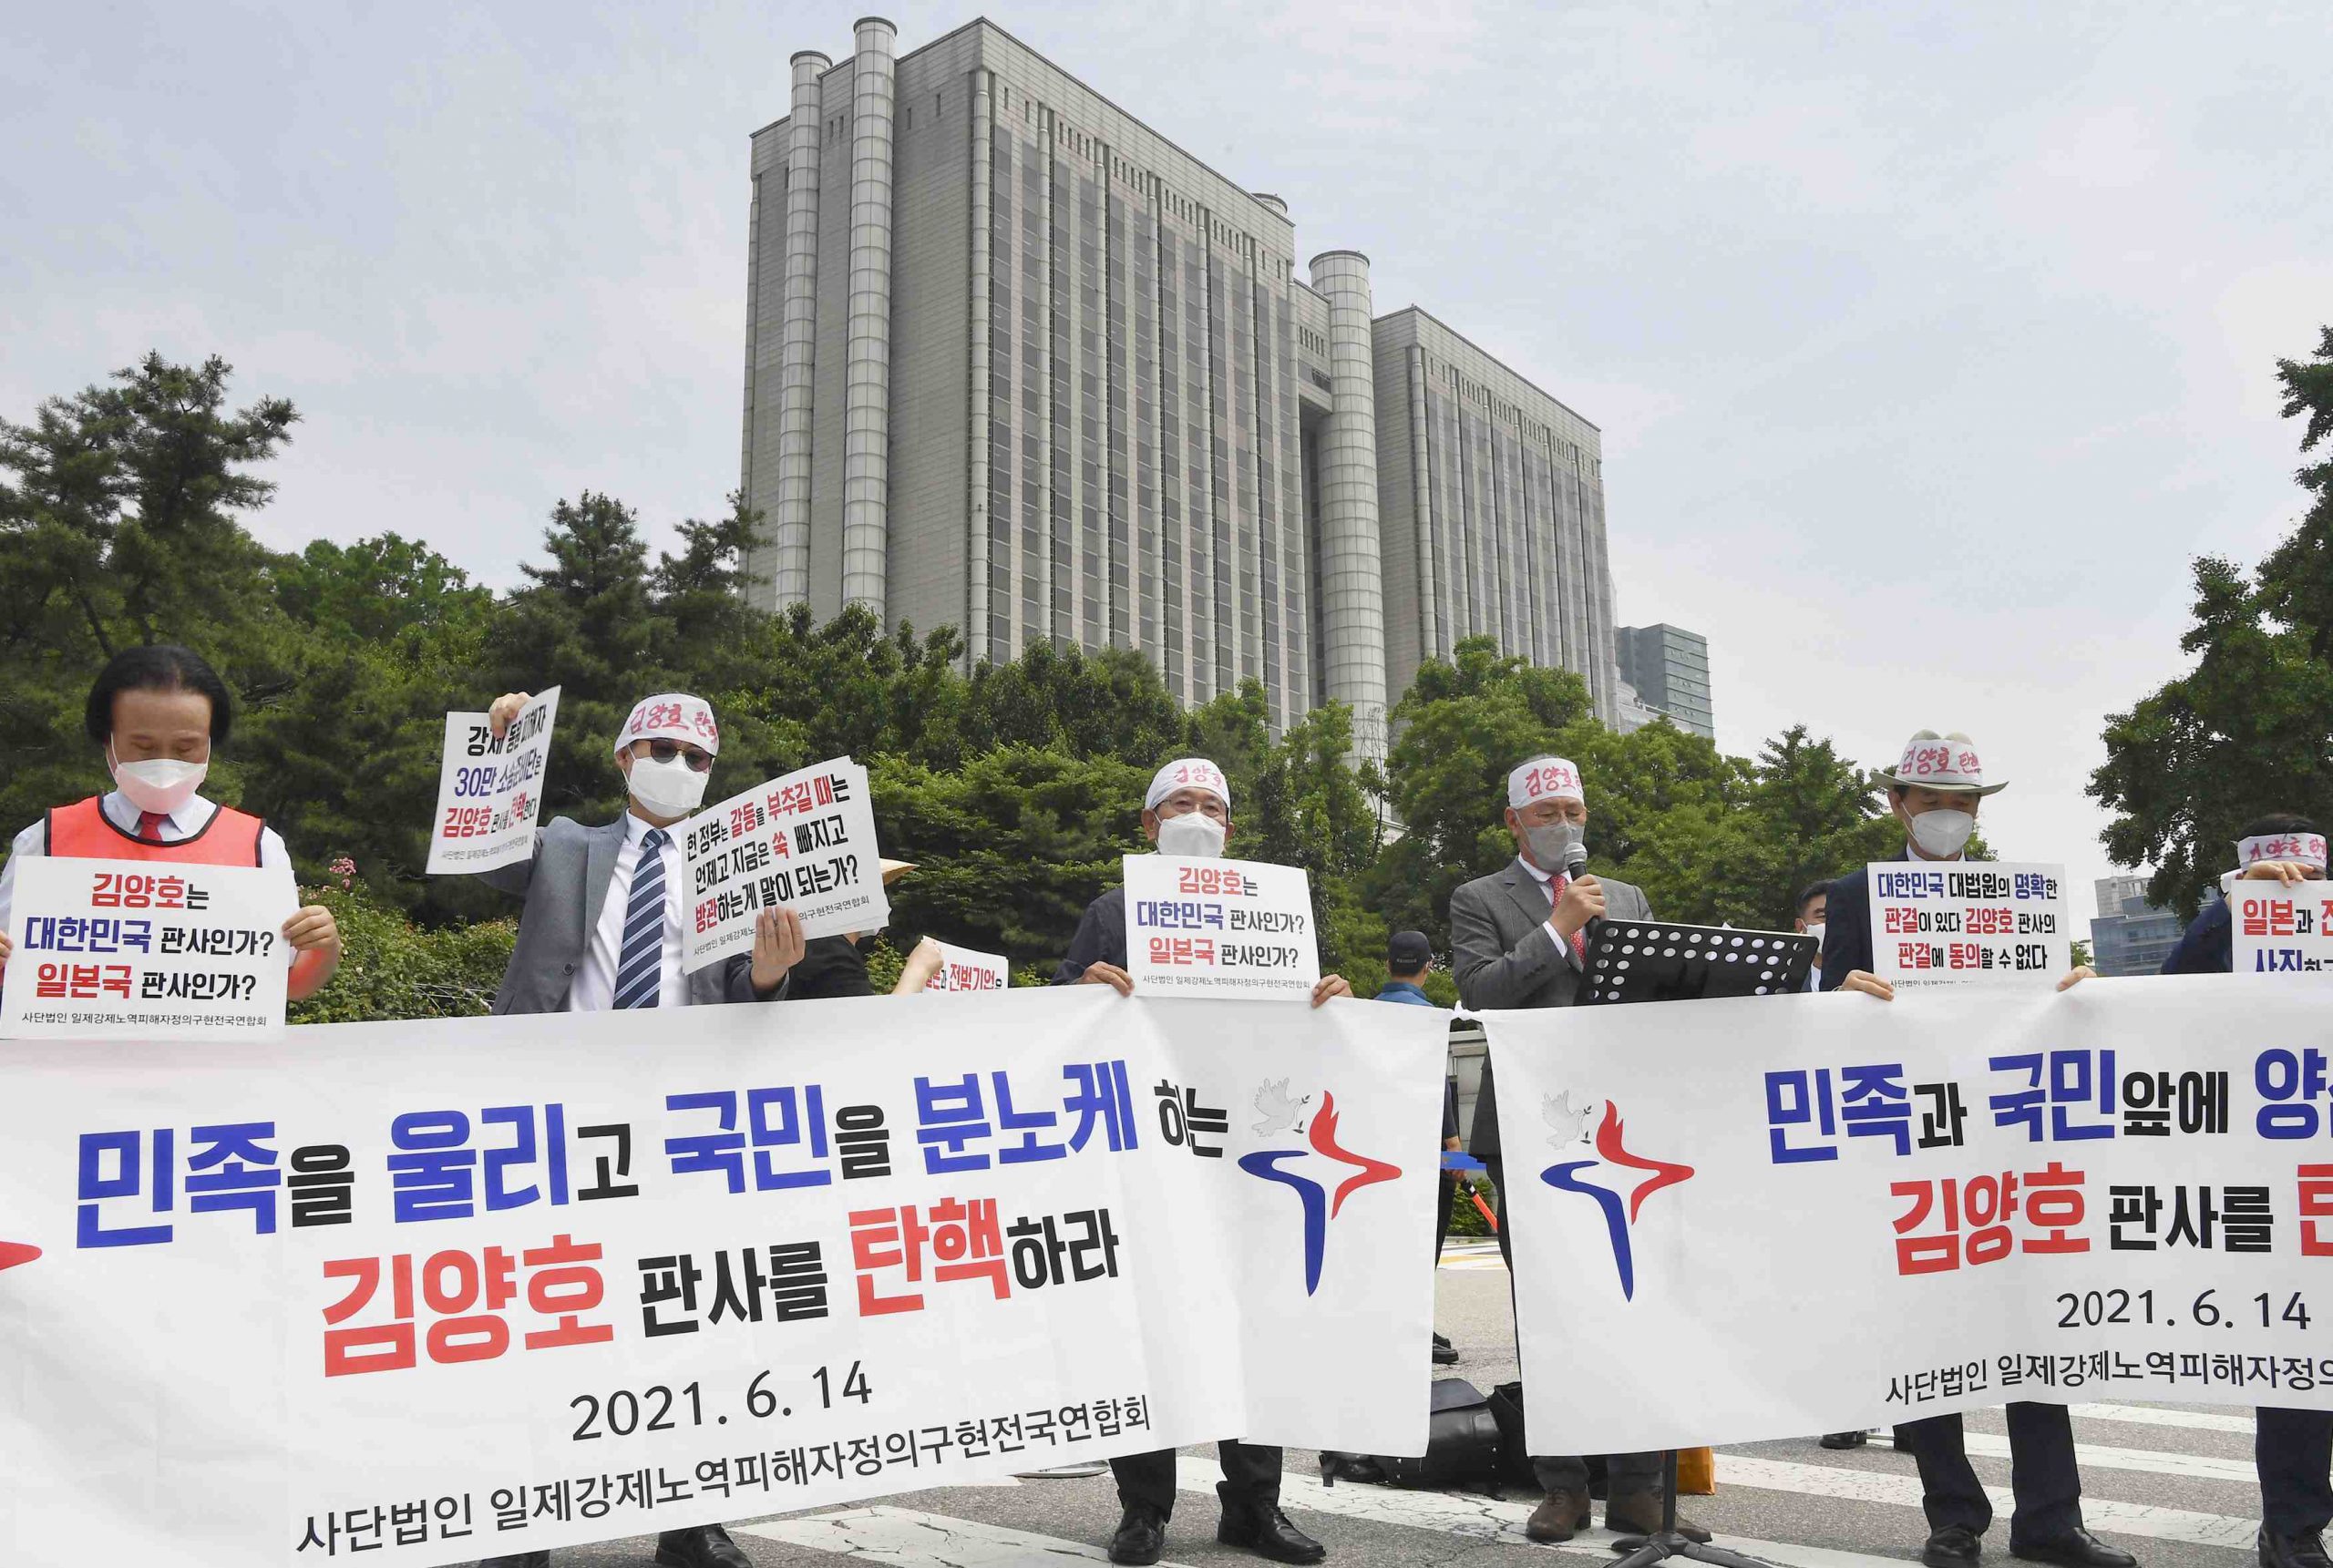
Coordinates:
1605 1178
1321 1202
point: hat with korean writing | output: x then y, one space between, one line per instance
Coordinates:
1188 773
1950 763
1542 778
671 716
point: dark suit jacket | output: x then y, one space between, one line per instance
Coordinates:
1846 927
566 887
1504 956
830 966
1101 938
2208 947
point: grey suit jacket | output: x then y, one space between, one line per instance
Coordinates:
566 887
1504 955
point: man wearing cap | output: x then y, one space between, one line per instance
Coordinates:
601 929
1518 939
1935 792
1185 812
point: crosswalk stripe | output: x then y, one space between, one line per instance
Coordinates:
1903 1491
2155 1461
908 1538
2149 1416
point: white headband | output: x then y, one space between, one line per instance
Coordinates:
673 716
2308 848
1542 778
1188 773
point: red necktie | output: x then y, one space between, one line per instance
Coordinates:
1556 886
149 825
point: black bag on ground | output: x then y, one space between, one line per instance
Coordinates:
1462 1445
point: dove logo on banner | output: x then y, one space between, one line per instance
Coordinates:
1587 1178
1321 1203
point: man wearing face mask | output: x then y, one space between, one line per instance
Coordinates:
1814 904
601 929
158 711
1185 812
1936 791
1518 938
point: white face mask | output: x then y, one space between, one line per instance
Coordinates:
1815 931
1941 834
668 789
1194 836
162 786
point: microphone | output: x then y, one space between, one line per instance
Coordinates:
1575 860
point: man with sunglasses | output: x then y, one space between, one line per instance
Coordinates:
601 929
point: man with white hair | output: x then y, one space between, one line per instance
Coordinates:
1518 938
1185 812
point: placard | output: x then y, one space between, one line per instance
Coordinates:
804 842
491 791
1964 922
2280 930
970 969
1219 928
129 950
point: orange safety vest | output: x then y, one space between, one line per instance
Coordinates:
82 831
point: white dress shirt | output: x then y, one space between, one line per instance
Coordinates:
181 824
593 990
1546 881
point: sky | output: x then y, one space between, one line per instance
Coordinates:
1929 344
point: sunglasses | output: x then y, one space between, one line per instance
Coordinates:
665 751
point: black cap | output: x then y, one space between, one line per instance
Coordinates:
1408 952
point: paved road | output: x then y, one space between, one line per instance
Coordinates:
2173 1484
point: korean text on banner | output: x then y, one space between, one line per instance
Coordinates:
1960 922
533 1286
968 970
2107 1194
804 842
127 950
1219 928
489 791
2282 930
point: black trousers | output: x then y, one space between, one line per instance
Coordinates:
1250 1470
1625 1475
2040 1472
1442 1218
2294 1450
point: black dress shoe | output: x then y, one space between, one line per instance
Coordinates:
1854 1439
1443 1355
518 1560
1264 1530
1141 1535
1954 1546
2074 1549
2293 1551
705 1546
1442 1342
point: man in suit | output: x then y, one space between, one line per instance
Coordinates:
601 929
1188 812
1935 792
1518 938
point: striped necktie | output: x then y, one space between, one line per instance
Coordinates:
640 967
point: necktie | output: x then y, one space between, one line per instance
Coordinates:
1556 886
640 965
149 825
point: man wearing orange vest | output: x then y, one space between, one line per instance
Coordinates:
158 711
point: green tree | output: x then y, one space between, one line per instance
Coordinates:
2248 730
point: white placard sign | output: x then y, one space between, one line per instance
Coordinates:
133 949
804 842
1961 922
2279 931
968 970
489 791
1219 928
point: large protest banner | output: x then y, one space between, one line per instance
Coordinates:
121 950
490 789
425 1293
2108 1194
805 842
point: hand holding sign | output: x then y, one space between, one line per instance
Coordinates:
489 789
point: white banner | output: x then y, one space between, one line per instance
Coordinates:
125 950
1962 922
1219 928
2281 930
489 791
805 842
970 969
424 1293
2108 1194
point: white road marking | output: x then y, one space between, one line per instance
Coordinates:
2150 1416
910 1538
2153 1462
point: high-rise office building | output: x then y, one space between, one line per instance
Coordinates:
1016 363
1670 669
2130 936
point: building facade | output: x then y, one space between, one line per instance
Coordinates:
1670 669
1015 363
2130 936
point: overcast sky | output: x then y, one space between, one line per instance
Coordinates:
1929 344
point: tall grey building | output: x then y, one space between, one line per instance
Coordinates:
1017 364
2130 936
1670 669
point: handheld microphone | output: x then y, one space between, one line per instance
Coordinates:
1575 860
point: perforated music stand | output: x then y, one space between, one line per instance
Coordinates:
1661 960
